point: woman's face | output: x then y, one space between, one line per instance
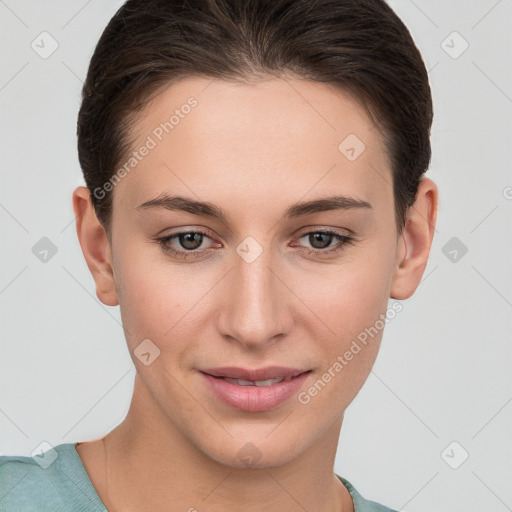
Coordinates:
260 286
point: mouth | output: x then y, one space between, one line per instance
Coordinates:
254 390
255 377
260 383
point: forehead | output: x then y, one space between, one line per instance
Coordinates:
287 138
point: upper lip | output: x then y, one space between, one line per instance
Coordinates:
269 372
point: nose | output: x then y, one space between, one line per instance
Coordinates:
255 309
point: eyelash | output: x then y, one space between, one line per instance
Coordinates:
344 240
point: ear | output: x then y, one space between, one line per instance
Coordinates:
415 241
95 246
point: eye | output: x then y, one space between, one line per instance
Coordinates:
321 242
190 241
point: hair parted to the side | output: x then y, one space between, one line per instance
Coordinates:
360 46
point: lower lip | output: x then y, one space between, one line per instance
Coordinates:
254 398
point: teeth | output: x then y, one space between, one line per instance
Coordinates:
269 382
242 382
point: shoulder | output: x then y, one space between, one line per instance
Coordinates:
49 481
361 504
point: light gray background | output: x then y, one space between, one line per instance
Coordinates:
444 370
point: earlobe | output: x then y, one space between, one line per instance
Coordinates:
95 246
415 241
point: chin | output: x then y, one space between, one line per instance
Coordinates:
246 454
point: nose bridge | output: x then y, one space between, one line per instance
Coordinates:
256 309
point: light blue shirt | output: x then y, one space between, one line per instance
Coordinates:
26 485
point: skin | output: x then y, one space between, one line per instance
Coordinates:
253 150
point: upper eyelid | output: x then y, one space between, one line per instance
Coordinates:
303 231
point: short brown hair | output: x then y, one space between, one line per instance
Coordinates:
361 46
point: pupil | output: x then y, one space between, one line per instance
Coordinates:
318 237
189 240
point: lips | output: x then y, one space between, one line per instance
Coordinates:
264 390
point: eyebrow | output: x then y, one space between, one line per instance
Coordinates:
207 209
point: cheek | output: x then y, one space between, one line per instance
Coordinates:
165 302
349 306
152 296
350 296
